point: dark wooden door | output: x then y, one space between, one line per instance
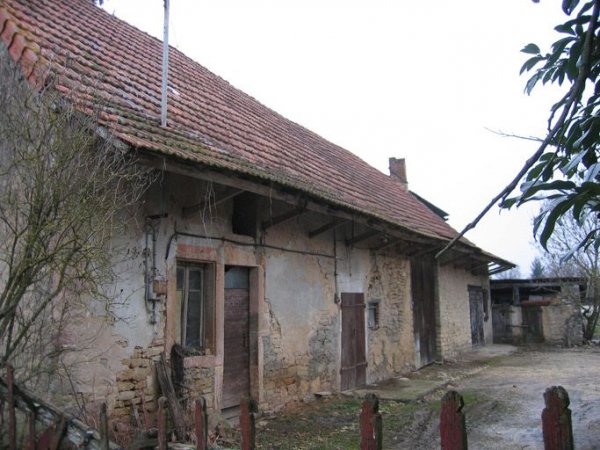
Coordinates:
476 308
354 362
531 317
236 358
422 278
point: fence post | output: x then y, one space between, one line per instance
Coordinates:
103 427
162 424
12 419
31 430
371 425
247 423
201 424
556 420
453 427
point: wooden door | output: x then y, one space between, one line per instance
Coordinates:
354 362
476 308
236 357
422 279
531 317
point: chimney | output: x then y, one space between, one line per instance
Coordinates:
398 171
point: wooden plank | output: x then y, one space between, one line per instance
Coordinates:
248 423
103 427
236 357
162 424
453 427
335 223
30 431
188 211
556 420
201 418
47 414
12 418
284 217
167 389
363 237
371 426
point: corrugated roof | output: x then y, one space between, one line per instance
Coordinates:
106 61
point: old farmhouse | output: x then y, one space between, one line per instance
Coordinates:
281 264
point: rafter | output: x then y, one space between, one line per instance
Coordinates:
189 211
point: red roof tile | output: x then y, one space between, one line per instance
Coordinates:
210 122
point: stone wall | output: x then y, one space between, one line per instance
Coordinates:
390 345
454 326
562 324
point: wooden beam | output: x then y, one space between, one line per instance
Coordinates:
328 226
282 218
455 260
362 237
188 211
390 243
423 251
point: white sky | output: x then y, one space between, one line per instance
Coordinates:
420 80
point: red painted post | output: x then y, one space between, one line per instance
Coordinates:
201 424
453 427
162 424
31 430
247 423
371 425
556 420
12 419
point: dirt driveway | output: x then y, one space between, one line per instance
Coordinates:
504 401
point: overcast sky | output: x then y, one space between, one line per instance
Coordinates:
420 80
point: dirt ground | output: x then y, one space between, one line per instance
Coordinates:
503 396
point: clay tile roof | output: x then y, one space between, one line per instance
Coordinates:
211 123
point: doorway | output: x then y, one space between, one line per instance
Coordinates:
354 362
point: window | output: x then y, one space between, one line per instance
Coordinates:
373 314
195 294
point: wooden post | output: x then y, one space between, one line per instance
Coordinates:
201 424
371 436
162 424
175 410
453 427
31 430
556 420
247 423
104 441
12 419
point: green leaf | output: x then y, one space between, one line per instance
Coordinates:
531 49
569 5
531 83
565 28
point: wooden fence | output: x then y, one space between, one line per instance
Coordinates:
42 425
58 426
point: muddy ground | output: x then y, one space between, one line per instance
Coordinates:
504 401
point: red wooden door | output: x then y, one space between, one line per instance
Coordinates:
423 298
354 362
236 358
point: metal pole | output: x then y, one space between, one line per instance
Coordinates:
165 67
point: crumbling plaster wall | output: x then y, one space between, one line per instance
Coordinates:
297 319
454 326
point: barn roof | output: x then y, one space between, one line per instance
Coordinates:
104 61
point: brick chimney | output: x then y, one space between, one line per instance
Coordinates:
398 171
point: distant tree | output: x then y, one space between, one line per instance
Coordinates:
512 274
537 268
64 196
565 258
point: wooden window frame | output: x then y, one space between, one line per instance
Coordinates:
206 326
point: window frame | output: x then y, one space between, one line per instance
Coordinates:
206 326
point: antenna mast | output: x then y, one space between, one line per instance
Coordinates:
165 67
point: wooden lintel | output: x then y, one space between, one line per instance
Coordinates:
328 226
362 237
161 162
188 211
388 244
423 251
282 218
